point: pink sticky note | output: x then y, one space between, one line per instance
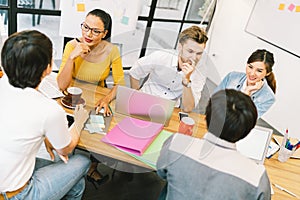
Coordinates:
291 7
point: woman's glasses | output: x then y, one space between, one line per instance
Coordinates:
94 31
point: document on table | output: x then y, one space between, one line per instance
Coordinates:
133 135
49 87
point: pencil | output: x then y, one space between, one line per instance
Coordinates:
285 190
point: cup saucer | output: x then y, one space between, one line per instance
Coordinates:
67 103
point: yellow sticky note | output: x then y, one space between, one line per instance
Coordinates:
81 7
281 6
297 8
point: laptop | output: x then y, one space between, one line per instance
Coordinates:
137 104
255 145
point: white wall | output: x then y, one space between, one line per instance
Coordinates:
229 48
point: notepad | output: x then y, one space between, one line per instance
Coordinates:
133 135
255 145
152 153
49 87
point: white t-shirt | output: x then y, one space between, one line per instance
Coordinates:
26 117
164 79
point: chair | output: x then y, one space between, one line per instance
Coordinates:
21 3
40 7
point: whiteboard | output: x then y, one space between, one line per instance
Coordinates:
124 15
277 22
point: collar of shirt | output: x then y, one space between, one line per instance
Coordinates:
174 62
218 141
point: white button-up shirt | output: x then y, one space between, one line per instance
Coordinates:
164 78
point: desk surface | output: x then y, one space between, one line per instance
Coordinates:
286 174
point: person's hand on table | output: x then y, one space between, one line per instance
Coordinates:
103 103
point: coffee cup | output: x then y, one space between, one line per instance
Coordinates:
186 126
73 95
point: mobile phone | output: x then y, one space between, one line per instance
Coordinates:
182 114
70 119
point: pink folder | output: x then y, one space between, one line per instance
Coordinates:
133 135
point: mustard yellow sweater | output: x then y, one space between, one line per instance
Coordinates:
95 72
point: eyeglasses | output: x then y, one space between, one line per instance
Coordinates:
94 31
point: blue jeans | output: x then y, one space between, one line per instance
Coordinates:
57 180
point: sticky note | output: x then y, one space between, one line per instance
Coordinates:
81 7
125 20
281 6
291 7
297 8
93 128
97 119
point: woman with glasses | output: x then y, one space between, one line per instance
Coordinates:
258 82
90 59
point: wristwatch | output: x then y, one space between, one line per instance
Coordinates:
188 84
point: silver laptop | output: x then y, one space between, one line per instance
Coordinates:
143 106
255 145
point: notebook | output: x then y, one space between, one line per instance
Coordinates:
255 145
143 106
133 135
49 87
150 156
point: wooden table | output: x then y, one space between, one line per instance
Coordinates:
285 174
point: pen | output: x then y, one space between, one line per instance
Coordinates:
285 190
77 39
285 138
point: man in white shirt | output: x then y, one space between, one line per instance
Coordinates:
174 74
28 119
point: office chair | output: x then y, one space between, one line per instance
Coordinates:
21 3
40 7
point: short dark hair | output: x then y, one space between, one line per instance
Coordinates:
230 115
105 18
25 56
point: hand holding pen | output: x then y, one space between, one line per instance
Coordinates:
81 49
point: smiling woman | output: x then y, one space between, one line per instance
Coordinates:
258 82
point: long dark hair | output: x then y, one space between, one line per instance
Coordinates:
262 55
25 56
106 19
